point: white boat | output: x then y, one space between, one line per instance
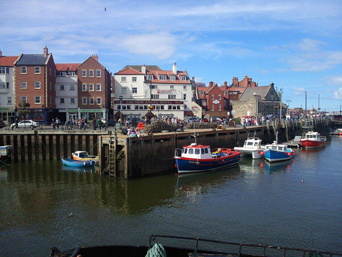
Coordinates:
251 147
337 131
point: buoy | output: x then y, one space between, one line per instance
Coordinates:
302 180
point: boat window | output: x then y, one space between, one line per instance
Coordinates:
250 143
281 148
202 151
206 150
197 151
185 150
191 151
83 155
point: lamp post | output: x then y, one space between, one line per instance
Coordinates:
306 100
120 97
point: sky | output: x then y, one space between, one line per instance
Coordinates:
297 45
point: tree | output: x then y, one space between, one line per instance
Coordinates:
23 111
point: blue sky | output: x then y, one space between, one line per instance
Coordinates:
297 45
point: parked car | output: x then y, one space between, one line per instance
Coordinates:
25 124
2 124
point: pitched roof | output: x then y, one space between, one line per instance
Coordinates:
129 71
138 67
8 60
168 74
67 66
250 91
33 59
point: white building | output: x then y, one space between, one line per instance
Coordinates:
66 89
7 88
139 87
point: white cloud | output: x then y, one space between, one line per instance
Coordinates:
298 90
338 94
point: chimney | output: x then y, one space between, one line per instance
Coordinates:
0 53
225 85
193 78
46 51
95 57
143 69
174 68
211 84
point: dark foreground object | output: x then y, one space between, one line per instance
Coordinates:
157 250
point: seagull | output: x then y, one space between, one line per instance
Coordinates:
70 215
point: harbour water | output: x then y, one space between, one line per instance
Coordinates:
295 204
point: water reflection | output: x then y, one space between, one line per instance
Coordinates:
274 167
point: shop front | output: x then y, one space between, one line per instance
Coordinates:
89 114
7 114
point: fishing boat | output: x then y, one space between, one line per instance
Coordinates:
169 246
313 140
84 156
5 153
337 131
251 147
78 163
200 158
277 152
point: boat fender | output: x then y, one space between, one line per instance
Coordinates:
157 250
84 163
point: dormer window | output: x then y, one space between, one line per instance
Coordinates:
162 77
172 77
150 77
183 77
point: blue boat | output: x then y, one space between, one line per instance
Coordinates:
77 163
276 152
200 158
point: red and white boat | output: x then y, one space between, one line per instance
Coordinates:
313 140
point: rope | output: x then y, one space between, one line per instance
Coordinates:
157 250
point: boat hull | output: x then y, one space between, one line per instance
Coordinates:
278 156
5 153
309 144
190 165
77 163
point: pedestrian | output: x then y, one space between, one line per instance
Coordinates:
70 124
94 124
57 123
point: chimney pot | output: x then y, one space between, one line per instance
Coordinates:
46 51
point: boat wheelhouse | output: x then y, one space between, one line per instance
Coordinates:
251 147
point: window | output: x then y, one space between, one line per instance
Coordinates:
134 90
37 70
184 87
219 97
154 96
72 73
219 107
98 73
9 100
150 77
84 73
172 86
91 87
91 73
23 99
212 97
23 70
134 79
184 96
98 87
61 87
91 100
72 87
162 77
61 100
4 70
201 92
183 77
172 77
123 79
153 86
84 100
37 99
72 100
37 85
23 85
84 87
98 101
171 96
123 90
212 107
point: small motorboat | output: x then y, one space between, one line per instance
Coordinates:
200 158
84 156
337 131
5 153
277 152
251 147
313 140
78 163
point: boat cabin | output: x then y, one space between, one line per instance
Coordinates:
312 135
276 147
252 143
82 154
196 151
